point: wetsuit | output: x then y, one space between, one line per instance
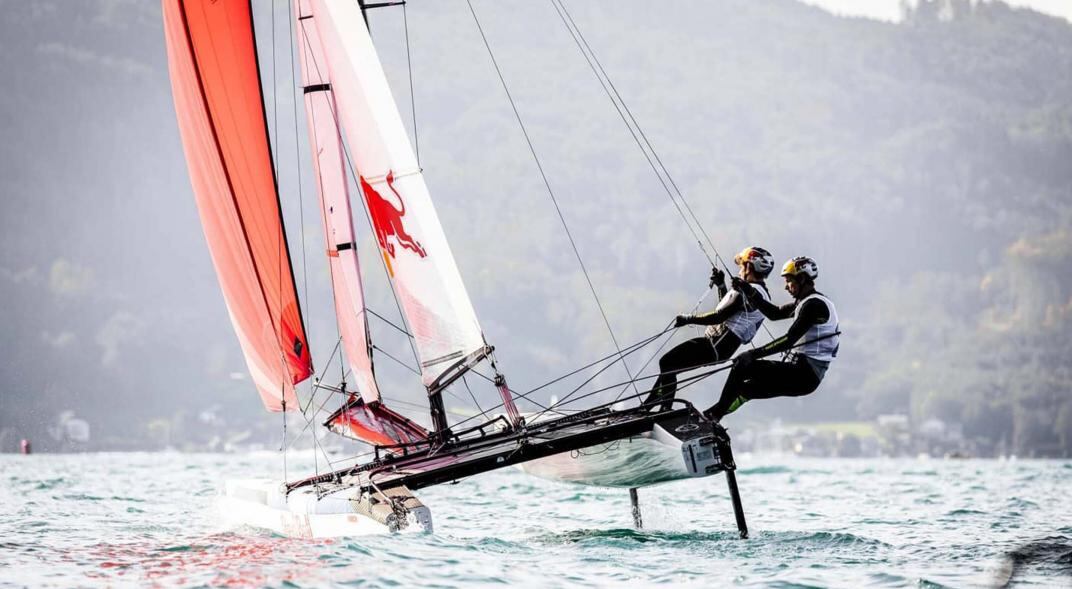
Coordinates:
732 323
817 323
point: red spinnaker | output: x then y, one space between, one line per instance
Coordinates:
216 85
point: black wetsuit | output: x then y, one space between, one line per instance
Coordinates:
767 379
698 351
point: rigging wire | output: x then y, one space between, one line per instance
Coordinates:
550 191
665 342
297 165
473 370
475 402
628 350
631 123
642 141
325 221
301 217
279 240
627 383
412 93
626 119
364 207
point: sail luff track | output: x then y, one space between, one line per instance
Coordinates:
219 106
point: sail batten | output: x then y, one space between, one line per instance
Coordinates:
219 106
411 240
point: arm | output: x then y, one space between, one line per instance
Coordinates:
723 312
772 311
769 309
814 312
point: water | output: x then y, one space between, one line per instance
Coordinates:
138 519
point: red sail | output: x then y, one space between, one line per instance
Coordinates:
216 85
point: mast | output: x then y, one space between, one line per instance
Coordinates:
333 191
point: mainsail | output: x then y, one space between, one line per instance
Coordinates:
216 85
414 248
331 177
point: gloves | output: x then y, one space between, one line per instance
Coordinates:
745 358
681 320
717 277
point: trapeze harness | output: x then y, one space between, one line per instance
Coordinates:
815 322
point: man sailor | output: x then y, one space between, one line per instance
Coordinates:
733 322
815 322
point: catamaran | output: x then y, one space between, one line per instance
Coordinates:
220 106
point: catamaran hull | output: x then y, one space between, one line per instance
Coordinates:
301 514
673 449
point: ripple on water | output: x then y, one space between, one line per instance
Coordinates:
842 524
760 470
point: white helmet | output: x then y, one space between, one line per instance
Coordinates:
801 265
762 261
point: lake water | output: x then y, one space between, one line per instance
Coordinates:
138 519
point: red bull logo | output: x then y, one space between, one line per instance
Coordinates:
388 220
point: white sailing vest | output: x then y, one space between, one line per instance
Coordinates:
743 324
826 349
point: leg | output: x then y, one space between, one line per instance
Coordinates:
731 391
687 355
763 379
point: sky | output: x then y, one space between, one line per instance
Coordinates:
890 10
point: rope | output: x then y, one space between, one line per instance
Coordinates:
525 395
475 402
641 138
635 347
550 191
663 345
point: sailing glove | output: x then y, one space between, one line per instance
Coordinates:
681 320
717 277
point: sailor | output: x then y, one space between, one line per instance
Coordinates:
815 323
733 322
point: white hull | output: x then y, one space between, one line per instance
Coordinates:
669 452
261 504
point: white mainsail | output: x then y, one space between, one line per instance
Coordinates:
411 239
331 180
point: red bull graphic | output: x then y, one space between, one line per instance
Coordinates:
388 220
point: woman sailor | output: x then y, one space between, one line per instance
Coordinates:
733 322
